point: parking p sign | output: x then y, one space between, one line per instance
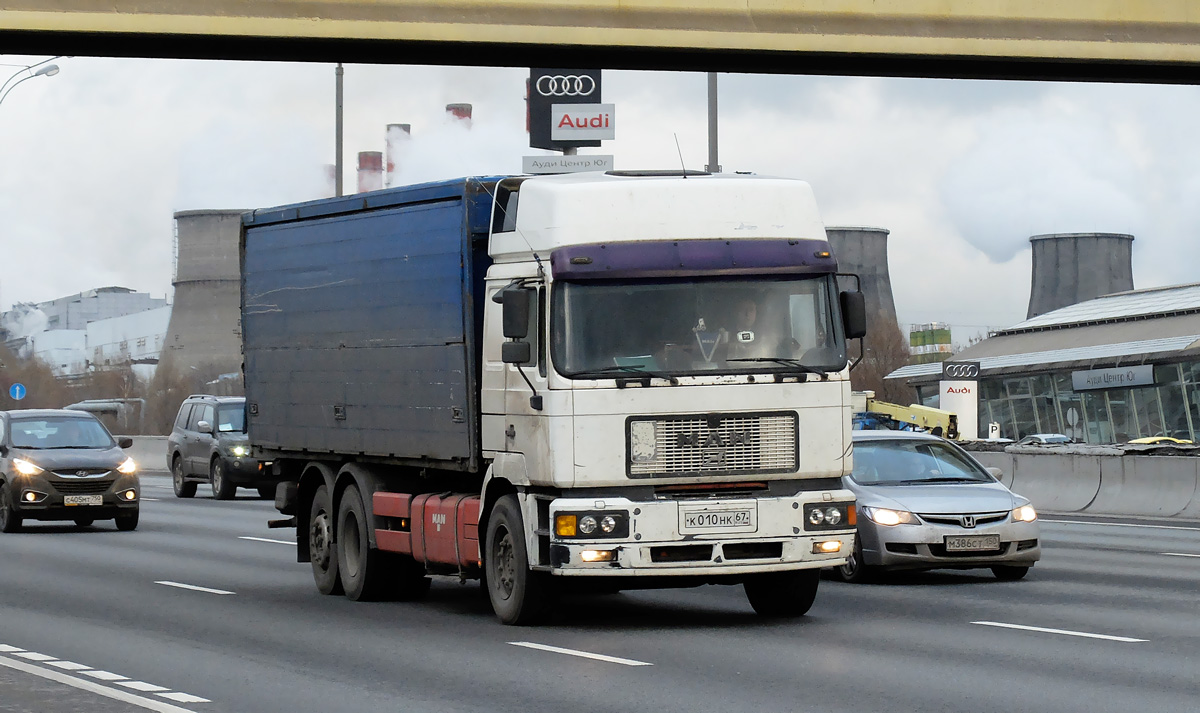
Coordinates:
17 391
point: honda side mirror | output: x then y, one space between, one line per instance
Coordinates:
854 314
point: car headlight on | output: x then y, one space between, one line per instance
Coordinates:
1025 513
239 451
888 517
129 467
25 467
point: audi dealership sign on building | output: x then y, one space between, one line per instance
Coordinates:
564 87
959 391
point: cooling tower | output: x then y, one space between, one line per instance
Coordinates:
370 171
863 251
1073 267
461 112
204 332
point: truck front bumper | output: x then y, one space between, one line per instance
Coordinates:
701 537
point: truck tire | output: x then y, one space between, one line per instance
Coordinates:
783 595
322 552
222 487
519 595
183 489
360 565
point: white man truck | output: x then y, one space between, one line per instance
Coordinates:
551 384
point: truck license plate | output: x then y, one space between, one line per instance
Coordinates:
973 543
83 499
715 518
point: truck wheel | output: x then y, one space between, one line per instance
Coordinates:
1009 573
127 523
183 489
222 487
519 595
360 566
10 521
783 595
321 549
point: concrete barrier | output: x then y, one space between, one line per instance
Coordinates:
1101 481
149 452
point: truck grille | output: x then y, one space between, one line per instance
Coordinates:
712 445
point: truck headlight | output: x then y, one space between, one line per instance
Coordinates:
829 516
25 467
890 518
594 524
128 467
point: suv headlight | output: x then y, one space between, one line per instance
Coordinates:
888 517
128 467
25 467
239 451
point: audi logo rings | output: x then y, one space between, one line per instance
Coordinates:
960 371
569 85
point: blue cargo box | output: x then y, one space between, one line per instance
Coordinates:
362 319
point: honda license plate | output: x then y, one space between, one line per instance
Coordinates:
83 500
718 518
973 543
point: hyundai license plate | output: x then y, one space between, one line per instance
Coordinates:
973 543
83 500
718 518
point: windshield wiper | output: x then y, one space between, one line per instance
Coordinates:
638 369
923 481
794 363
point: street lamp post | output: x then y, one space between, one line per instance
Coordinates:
43 70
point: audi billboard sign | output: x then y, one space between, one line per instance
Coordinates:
960 370
548 87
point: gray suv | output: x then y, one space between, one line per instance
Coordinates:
208 444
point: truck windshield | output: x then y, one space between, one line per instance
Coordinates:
696 326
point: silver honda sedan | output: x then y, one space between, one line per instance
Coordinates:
924 503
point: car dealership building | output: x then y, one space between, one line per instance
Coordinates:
1107 370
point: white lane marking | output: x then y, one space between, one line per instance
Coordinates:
580 654
1179 554
153 500
68 665
142 686
105 675
34 656
193 587
147 703
1064 632
185 698
264 539
1122 524
5 648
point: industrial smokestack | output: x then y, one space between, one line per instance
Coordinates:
460 112
331 178
396 140
370 171
863 251
1074 267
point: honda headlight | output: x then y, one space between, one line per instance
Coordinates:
1025 513
25 467
890 518
128 467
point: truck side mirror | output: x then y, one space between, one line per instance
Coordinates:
515 352
854 314
517 304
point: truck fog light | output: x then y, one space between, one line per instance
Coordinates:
826 547
564 525
608 523
598 555
587 524
816 517
833 516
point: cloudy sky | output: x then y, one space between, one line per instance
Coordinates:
95 161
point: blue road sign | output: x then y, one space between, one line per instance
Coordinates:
17 391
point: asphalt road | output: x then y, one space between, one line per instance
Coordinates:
203 608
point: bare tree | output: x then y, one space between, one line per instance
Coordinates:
885 349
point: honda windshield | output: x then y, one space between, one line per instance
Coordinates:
610 329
